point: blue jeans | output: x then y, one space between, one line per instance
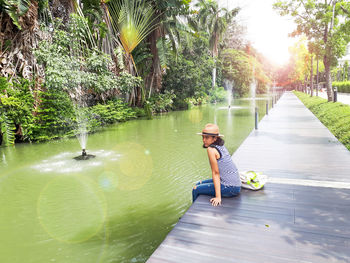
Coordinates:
206 187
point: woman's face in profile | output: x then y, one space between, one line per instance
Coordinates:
208 140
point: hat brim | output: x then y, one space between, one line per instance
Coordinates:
210 134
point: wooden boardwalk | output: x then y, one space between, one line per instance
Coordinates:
302 215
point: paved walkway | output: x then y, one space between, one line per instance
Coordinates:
341 97
302 215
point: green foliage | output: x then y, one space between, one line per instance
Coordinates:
218 94
126 82
17 103
18 8
237 68
70 64
343 86
341 73
162 102
72 69
214 21
133 20
55 117
60 118
335 116
190 74
113 111
119 53
147 110
200 97
162 52
15 9
6 130
95 20
314 20
326 24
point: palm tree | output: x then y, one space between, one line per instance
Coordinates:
63 8
132 22
15 9
166 34
214 21
19 35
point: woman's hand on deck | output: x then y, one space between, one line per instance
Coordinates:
215 201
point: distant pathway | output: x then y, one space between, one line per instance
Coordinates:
292 143
301 215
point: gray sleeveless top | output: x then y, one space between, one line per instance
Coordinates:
229 175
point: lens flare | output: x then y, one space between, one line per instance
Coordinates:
133 168
108 181
71 209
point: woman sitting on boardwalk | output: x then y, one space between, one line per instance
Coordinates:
225 180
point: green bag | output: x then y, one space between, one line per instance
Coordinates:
252 180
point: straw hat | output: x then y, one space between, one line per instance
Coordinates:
211 130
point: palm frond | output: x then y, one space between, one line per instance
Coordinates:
173 27
143 59
193 23
162 52
15 9
141 54
133 20
86 25
7 130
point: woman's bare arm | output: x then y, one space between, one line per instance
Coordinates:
213 156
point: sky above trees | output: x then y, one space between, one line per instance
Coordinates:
267 30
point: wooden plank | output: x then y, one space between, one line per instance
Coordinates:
281 243
185 250
248 222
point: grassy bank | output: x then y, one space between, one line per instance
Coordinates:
335 116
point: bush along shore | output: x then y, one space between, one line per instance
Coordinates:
342 86
335 116
27 116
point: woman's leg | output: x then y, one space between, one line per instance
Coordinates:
203 189
204 181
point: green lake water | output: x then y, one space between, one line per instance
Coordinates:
119 206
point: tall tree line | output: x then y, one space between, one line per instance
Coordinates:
326 24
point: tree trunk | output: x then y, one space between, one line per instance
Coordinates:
215 52
155 76
130 68
327 58
62 9
132 97
138 97
312 76
327 66
214 78
317 79
150 88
